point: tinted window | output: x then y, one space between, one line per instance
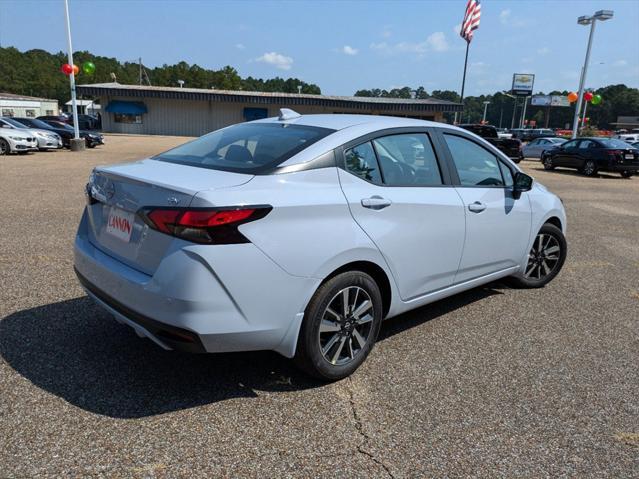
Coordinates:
570 144
408 160
612 143
246 148
361 161
475 165
587 144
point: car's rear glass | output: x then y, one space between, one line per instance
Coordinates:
613 143
246 148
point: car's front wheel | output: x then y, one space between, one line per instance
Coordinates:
545 258
340 326
626 174
589 168
548 164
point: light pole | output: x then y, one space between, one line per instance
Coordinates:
600 15
76 143
512 121
486 103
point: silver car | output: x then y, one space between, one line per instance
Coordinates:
47 140
535 148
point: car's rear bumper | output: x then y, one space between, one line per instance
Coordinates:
200 298
620 168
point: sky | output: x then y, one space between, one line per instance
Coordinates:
349 45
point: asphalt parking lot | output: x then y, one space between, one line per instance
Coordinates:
493 382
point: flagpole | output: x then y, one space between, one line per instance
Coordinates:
464 77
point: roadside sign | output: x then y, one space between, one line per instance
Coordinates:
559 100
541 100
523 84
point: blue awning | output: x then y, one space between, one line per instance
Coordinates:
126 107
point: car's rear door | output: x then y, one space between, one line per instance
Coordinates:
497 225
400 194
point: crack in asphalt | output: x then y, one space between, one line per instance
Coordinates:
360 429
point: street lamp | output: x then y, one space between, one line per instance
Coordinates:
486 103
600 15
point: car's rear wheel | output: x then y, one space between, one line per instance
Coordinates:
545 258
4 147
626 174
548 164
589 168
340 326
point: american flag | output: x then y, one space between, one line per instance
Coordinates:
471 20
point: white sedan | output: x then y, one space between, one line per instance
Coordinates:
301 233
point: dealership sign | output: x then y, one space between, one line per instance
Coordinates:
549 100
523 84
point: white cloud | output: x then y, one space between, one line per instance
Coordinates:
543 51
435 42
240 46
277 60
348 50
387 32
457 29
504 16
620 63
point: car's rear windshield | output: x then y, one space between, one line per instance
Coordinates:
246 148
613 143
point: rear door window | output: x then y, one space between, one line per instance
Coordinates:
408 160
361 161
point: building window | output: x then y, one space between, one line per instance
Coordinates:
49 112
7 112
124 118
30 113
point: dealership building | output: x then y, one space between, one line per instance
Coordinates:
154 110
26 106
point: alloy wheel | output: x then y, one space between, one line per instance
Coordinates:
4 147
589 168
346 325
543 257
548 163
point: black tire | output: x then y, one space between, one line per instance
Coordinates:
626 174
310 356
589 168
523 281
5 149
548 164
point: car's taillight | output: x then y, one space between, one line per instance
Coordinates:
614 154
204 225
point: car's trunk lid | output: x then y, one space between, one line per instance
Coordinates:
119 192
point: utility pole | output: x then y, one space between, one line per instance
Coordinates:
523 113
76 143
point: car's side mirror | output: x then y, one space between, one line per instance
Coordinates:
521 183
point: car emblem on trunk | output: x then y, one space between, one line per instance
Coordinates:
172 200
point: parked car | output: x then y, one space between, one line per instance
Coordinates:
47 139
65 131
86 122
522 134
16 141
93 138
504 133
627 137
536 147
590 155
511 147
299 234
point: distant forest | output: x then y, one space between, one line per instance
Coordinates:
37 73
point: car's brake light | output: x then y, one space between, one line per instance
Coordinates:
614 154
204 225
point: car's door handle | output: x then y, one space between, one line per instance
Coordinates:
375 202
477 207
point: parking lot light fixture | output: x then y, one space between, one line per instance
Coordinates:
600 15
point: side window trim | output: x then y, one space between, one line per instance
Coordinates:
433 133
452 166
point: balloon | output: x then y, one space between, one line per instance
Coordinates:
572 97
76 70
88 68
66 69
588 96
596 99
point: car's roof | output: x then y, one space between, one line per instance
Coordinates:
340 122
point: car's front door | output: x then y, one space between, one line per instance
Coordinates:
585 151
402 198
497 224
566 156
